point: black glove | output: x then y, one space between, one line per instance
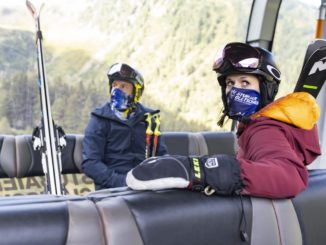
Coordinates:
219 173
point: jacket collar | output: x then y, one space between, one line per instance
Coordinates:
299 109
106 112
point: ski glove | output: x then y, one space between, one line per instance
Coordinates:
217 173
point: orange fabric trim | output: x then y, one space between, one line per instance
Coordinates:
299 109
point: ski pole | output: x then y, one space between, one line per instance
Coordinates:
156 132
149 133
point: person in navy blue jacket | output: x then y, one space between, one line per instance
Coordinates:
115 137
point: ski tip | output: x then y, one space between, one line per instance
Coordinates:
42 5
313 46
31 7
320 41
313 74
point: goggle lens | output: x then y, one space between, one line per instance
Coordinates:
125 71
239 55
122 70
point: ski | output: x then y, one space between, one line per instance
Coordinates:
313 73
46 138
312 47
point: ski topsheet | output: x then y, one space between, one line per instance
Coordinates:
313 73
48 142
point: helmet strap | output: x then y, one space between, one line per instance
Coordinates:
137 89
225 104
220 122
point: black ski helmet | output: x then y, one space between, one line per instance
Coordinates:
241 58
124 72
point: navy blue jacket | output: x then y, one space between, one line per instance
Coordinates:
111 146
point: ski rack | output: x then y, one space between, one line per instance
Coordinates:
48 142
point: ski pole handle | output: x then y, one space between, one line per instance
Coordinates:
148 120
149 133
157 124
157 133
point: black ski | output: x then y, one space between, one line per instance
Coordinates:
313 73
312 47
47 138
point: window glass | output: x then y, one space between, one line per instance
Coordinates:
294 31
172 43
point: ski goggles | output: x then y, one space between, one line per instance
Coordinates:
123 71
239 55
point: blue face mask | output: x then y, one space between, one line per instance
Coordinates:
119 100
242 102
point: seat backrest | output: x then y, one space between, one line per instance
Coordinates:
187 217
180 143
19 159
200 143
71 156
21 170
191 218
29 160
78 156
50 220
220 142
7 156
310 208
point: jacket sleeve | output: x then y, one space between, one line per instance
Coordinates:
93 152
275 169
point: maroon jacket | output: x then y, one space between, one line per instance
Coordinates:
274 149
273 156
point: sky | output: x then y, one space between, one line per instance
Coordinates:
312 2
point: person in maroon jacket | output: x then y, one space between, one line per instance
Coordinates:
276 139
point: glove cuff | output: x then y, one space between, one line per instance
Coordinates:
196 175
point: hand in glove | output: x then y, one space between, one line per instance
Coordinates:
220 172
